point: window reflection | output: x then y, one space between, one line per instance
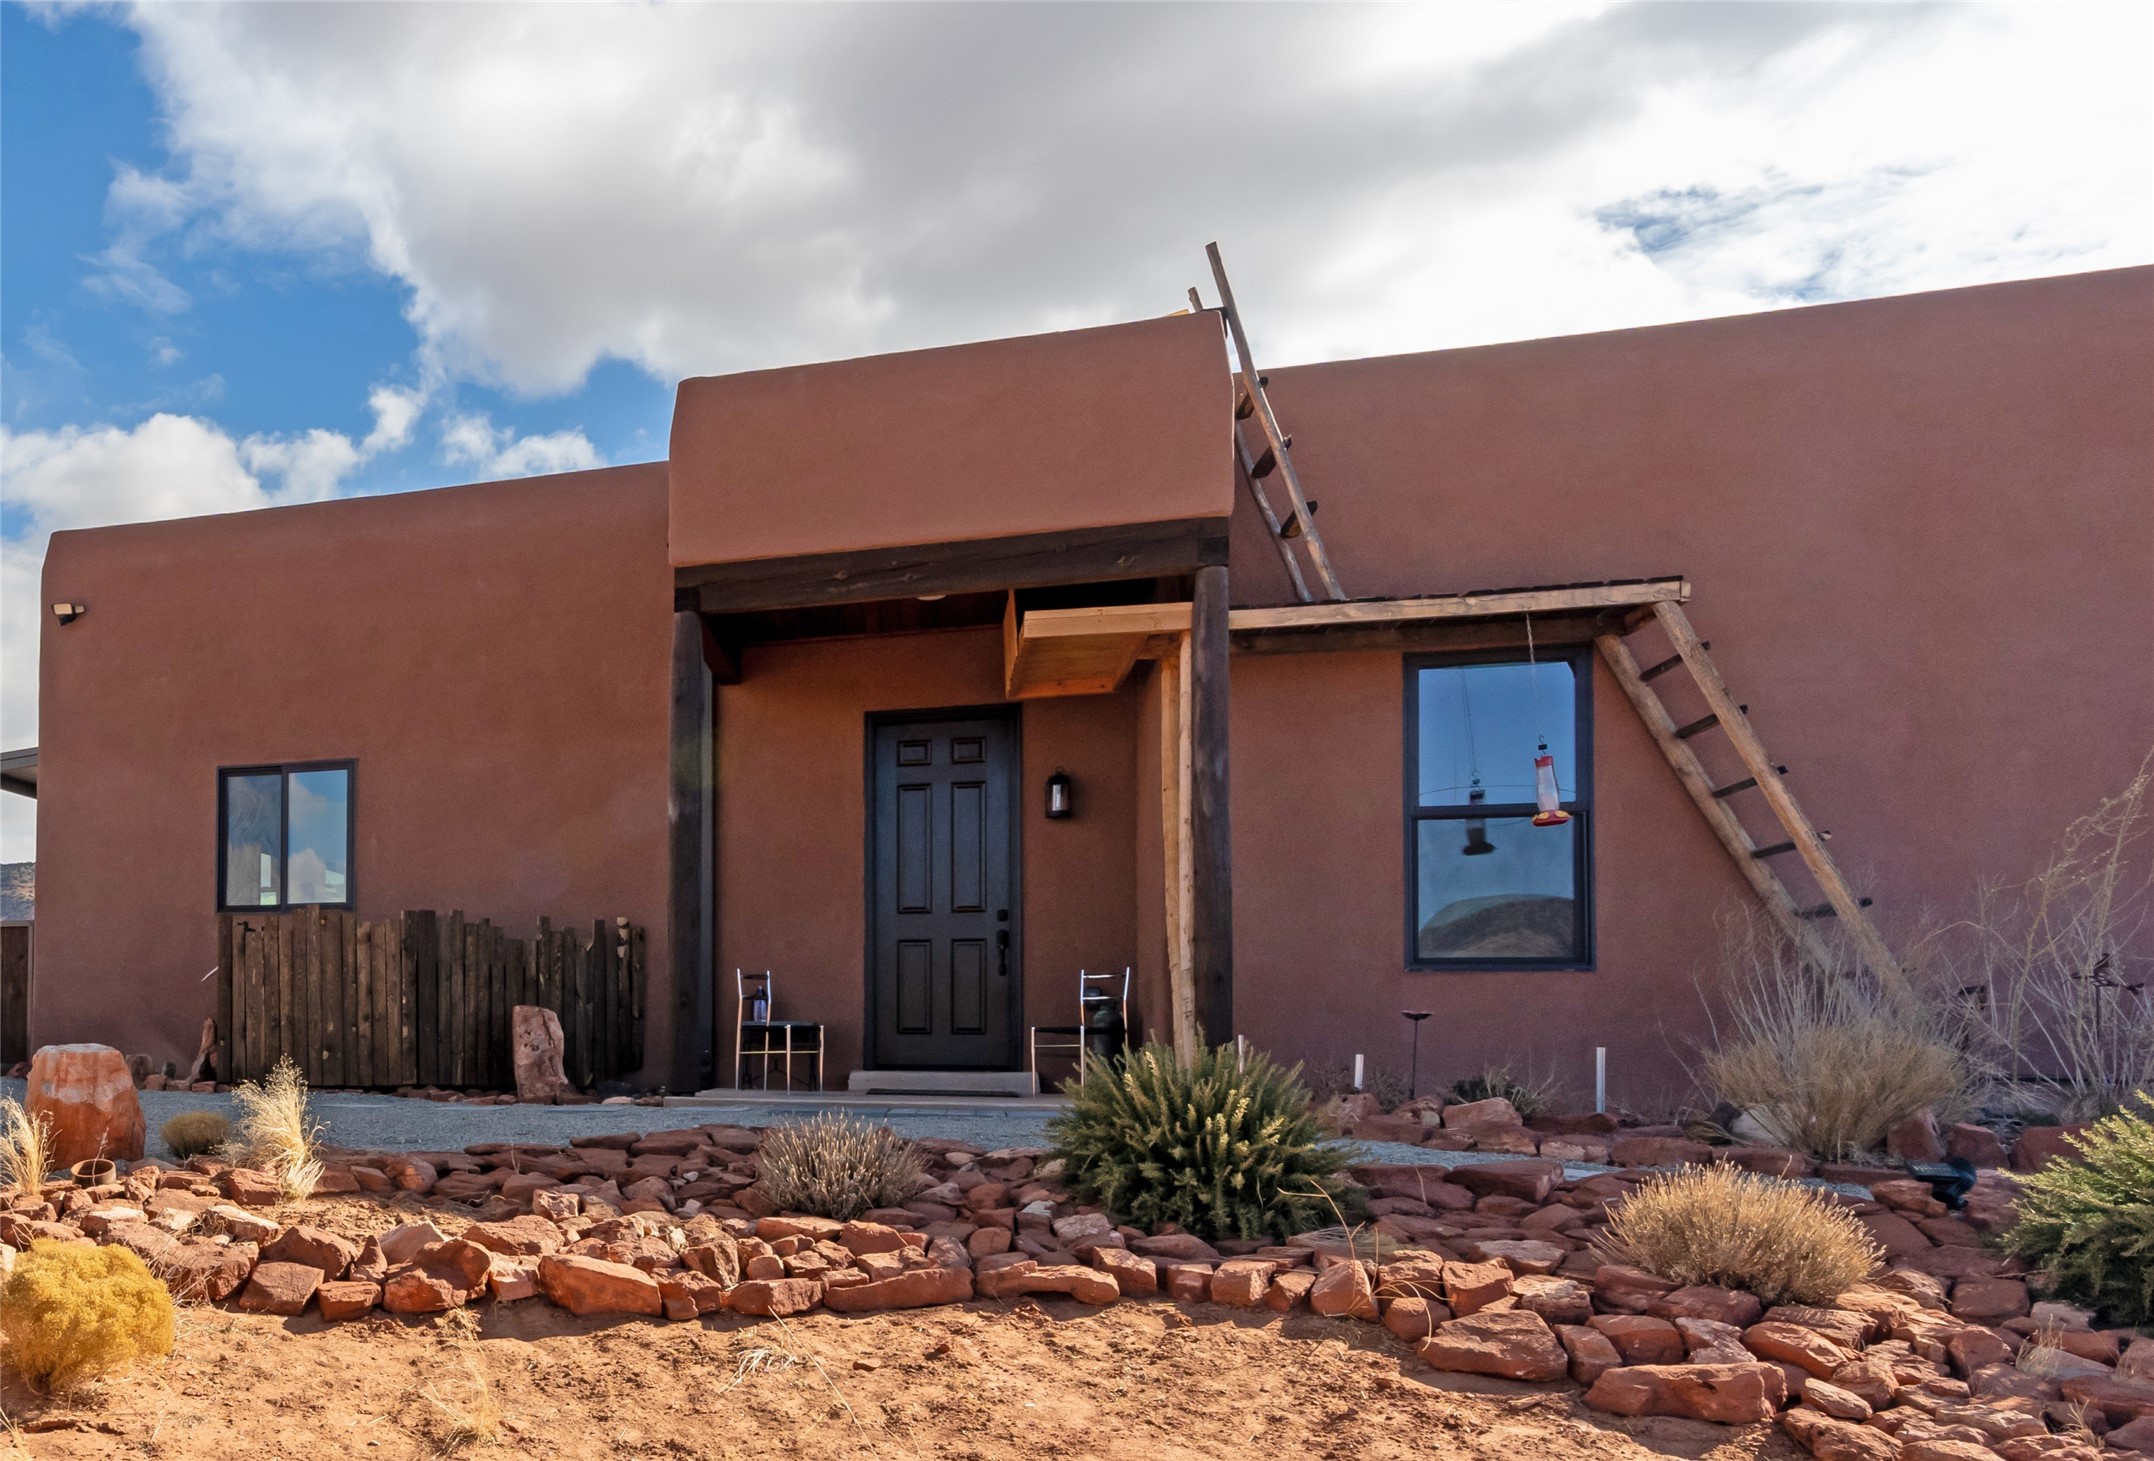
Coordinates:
253 836
320 835
1499 889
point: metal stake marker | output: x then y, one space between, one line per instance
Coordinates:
1413 1081
1600 1078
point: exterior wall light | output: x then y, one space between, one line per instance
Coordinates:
67 613
1061 793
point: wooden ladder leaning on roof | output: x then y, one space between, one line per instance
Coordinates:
1271 455
1800 839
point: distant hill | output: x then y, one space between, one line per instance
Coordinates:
1509 926
18 889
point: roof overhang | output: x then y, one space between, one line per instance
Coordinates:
18 772
1090 651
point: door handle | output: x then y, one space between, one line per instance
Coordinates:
1002 952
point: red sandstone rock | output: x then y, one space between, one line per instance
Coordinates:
1622 1289
1558 1300
1413 1318
1511 1344
1837 1440
1086 1285
280 1288
1988 1300
2135 1435
1471 1287
1830 1399
914 1290
1191 1283
1530 1181
2039 1145
537 1045
774 1298
1241 1282
1976 1144
1496 1111
85 1095
1916 1139
347 1299
1975 1348
1343 1291
1176 1247
1591 1353
527 1236
1658 1151
1133 1273
1792 1344
402 1244
1738 1394
594 1286
1642 1340
1703 1301
315 1246
249 1188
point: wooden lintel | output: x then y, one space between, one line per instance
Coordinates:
1082 555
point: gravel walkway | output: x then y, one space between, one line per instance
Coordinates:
397 1123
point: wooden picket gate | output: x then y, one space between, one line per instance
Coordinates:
419 999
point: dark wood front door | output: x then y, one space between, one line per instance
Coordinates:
943 906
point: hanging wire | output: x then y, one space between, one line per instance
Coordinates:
1533 670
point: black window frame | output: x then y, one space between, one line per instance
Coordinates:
1580 659
286 770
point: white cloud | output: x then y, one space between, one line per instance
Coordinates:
472 439
716 187
165 467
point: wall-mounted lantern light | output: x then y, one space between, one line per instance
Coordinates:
1060 794
67 613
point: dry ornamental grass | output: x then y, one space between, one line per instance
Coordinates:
276 1134
1785 1243
192 1133
25 1149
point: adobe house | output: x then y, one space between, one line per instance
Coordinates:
793 698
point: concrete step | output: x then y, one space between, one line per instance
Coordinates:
943 1083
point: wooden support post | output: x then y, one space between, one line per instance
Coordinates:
1211 871
690 1065
1188 1034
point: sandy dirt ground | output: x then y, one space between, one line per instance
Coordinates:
980 1382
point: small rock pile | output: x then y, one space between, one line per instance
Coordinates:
1488 1269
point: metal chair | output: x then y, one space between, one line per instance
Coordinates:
1095 993
757 1034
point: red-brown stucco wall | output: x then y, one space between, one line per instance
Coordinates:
1920 533
494 657
792 824
1045 433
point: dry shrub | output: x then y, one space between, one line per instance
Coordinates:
1823 1059
2046 962
465 1421
25 1148
276 1134
70 1312
191 1133
835 1166
1532 1095
1784 1242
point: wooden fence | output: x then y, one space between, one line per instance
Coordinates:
14 993
419 999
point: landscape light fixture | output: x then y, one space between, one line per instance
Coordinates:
1061 795
1413 1079
67 613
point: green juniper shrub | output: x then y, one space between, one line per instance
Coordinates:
2087 1224
1224 1148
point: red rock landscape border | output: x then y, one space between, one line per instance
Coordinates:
1488 1269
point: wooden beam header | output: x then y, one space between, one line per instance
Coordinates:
1089 651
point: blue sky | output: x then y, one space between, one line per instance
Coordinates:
267 253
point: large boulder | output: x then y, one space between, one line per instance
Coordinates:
537 1044
85 1094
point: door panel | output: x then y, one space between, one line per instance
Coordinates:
944 976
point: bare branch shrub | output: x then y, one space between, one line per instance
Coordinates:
2060 969
1824 1059
835 1166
